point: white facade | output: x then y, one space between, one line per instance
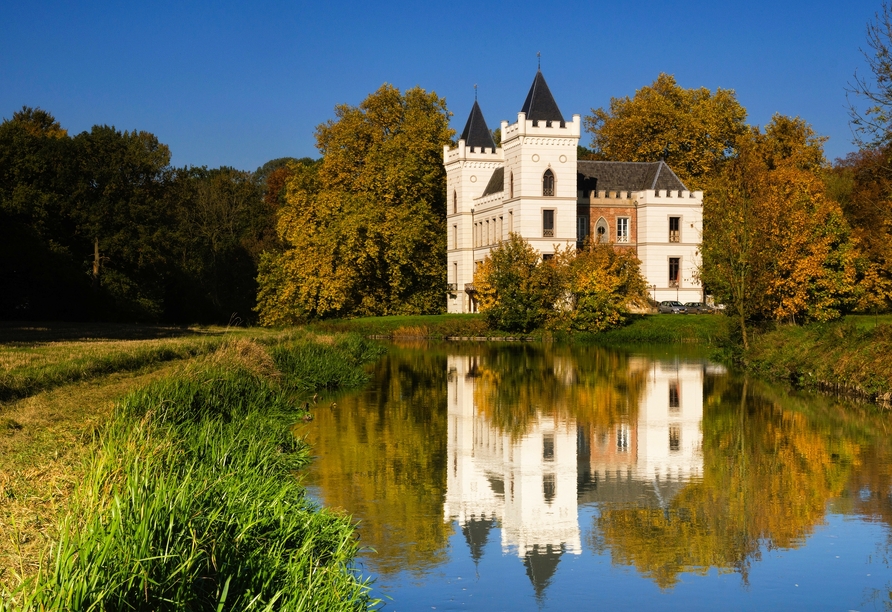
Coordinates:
482 210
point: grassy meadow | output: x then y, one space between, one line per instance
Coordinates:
152 469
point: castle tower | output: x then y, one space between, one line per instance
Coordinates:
469 168
540 171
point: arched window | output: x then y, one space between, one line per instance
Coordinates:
602 231
548 183
511 185
454 202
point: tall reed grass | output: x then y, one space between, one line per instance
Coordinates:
191 502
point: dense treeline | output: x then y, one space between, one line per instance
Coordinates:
100 226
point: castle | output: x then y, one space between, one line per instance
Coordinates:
534 185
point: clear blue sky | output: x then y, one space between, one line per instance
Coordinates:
239 83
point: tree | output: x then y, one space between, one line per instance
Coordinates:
862 184
774 246
364 230
692 130
602 283
872 127
514 288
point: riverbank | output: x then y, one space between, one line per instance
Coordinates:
181 491
849 357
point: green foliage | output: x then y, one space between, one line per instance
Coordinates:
364 230
586 290
514 291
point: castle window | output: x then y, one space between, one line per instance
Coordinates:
548 183
622 229
674 229
582 229
511 185
674 438
454 236
673 271
510 221
602 232
454 202
548 223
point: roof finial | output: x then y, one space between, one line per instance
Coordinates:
539 60
475 92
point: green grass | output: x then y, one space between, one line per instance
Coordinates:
426 326
26 370
849 356
188 500
664 329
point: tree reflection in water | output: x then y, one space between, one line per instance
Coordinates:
690 467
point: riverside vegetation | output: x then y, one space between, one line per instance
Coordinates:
183 494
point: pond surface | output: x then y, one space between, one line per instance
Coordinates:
539 477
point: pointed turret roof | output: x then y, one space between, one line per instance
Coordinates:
476 134
540 104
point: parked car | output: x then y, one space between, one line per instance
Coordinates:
698 308
672 307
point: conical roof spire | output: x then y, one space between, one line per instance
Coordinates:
540 104
476 134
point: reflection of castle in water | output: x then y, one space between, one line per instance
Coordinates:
532 485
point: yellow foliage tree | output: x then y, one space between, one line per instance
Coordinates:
365 229
774 246
692 130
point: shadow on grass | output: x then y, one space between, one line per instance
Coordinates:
31 332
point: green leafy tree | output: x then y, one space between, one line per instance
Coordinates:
364 230
692 130
515 291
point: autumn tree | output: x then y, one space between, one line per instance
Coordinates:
774 246
602 284
515 290
365 229
692 130
862 184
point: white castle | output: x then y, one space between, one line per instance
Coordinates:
534 186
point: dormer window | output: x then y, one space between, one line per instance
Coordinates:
548 183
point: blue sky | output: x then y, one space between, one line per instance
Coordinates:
238 83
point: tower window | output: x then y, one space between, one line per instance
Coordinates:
454 202
548 223
673 271
454 236
548 183
511 185
674 229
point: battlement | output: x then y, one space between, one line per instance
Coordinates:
610 195
525 127
463 152
672 194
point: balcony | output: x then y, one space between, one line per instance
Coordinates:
548 232
674 236
469 288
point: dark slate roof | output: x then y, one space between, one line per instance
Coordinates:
540 104
625 176
476 134
496 182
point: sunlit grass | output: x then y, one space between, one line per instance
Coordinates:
182 496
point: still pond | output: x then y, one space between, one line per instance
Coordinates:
491 476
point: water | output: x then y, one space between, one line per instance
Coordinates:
532 477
